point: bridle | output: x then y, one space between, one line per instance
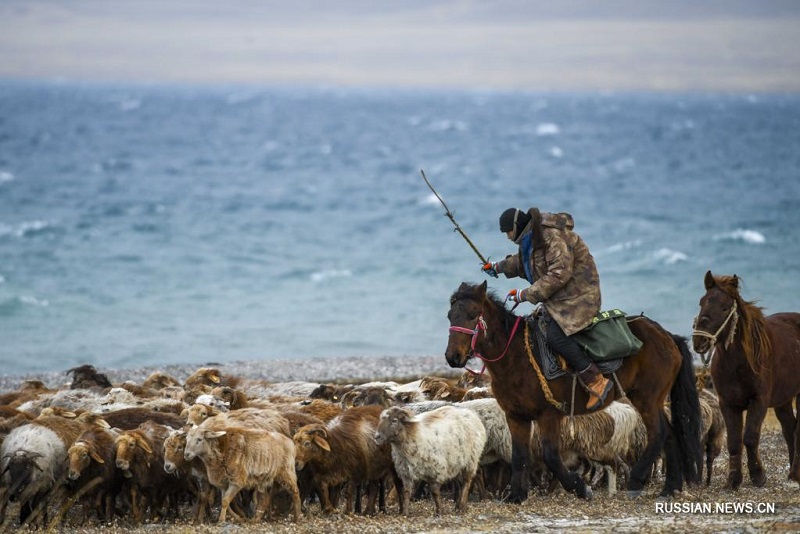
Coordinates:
480 325
732 315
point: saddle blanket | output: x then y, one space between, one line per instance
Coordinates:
553 365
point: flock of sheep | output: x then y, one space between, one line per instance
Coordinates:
246 449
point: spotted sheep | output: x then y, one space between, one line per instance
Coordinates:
434 447
611 439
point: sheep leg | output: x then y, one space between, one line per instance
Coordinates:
325 497
520 430
288 481
3 504
467 477
436 491
405 502
612 479
373 489
263 505
227 497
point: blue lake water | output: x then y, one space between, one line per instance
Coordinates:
147 225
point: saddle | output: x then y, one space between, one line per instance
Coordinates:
554 365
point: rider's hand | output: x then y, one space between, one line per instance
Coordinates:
517 295
490 268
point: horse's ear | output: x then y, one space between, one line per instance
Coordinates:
735 282
709 280
482 289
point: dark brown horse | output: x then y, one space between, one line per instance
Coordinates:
481 325
755 364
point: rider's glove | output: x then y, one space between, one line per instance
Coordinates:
517 295
490 268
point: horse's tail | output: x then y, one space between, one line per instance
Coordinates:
685 406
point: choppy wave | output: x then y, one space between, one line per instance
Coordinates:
322 276
669 256
627 245
14 305
24 229
547 128
742 234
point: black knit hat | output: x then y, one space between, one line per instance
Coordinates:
514 219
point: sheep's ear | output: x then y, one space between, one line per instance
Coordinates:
321 443
69 415
214 376
102 423
184 413
445 394
144 445
210 434
96 457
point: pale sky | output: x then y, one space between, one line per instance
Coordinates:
718 45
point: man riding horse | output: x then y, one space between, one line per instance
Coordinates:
564 279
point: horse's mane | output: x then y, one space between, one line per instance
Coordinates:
755 339
467 291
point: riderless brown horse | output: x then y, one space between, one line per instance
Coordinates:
755 365
481 326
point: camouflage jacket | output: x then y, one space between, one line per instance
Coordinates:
565 278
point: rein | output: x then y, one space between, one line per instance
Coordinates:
480 325
713 337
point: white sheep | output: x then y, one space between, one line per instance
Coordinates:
33 461
433 447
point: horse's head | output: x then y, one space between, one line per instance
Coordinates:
718 312
466 322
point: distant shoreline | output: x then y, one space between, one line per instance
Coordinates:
351 369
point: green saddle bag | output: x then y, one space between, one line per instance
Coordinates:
608 337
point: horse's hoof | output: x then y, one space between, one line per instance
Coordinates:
759 479
588 494
635 494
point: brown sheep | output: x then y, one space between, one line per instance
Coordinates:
91 456
194 472
87 377
211 377
331 392
159 380
139 455
236 459
437 388
344 451
130 418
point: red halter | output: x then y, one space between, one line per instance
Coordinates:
481 325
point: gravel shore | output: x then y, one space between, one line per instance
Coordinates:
356 369
779 500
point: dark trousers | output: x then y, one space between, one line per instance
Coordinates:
567 347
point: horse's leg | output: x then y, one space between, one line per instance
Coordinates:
673 482
756 412
550 429
794 469
785 415
656 425
733 425
520 430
